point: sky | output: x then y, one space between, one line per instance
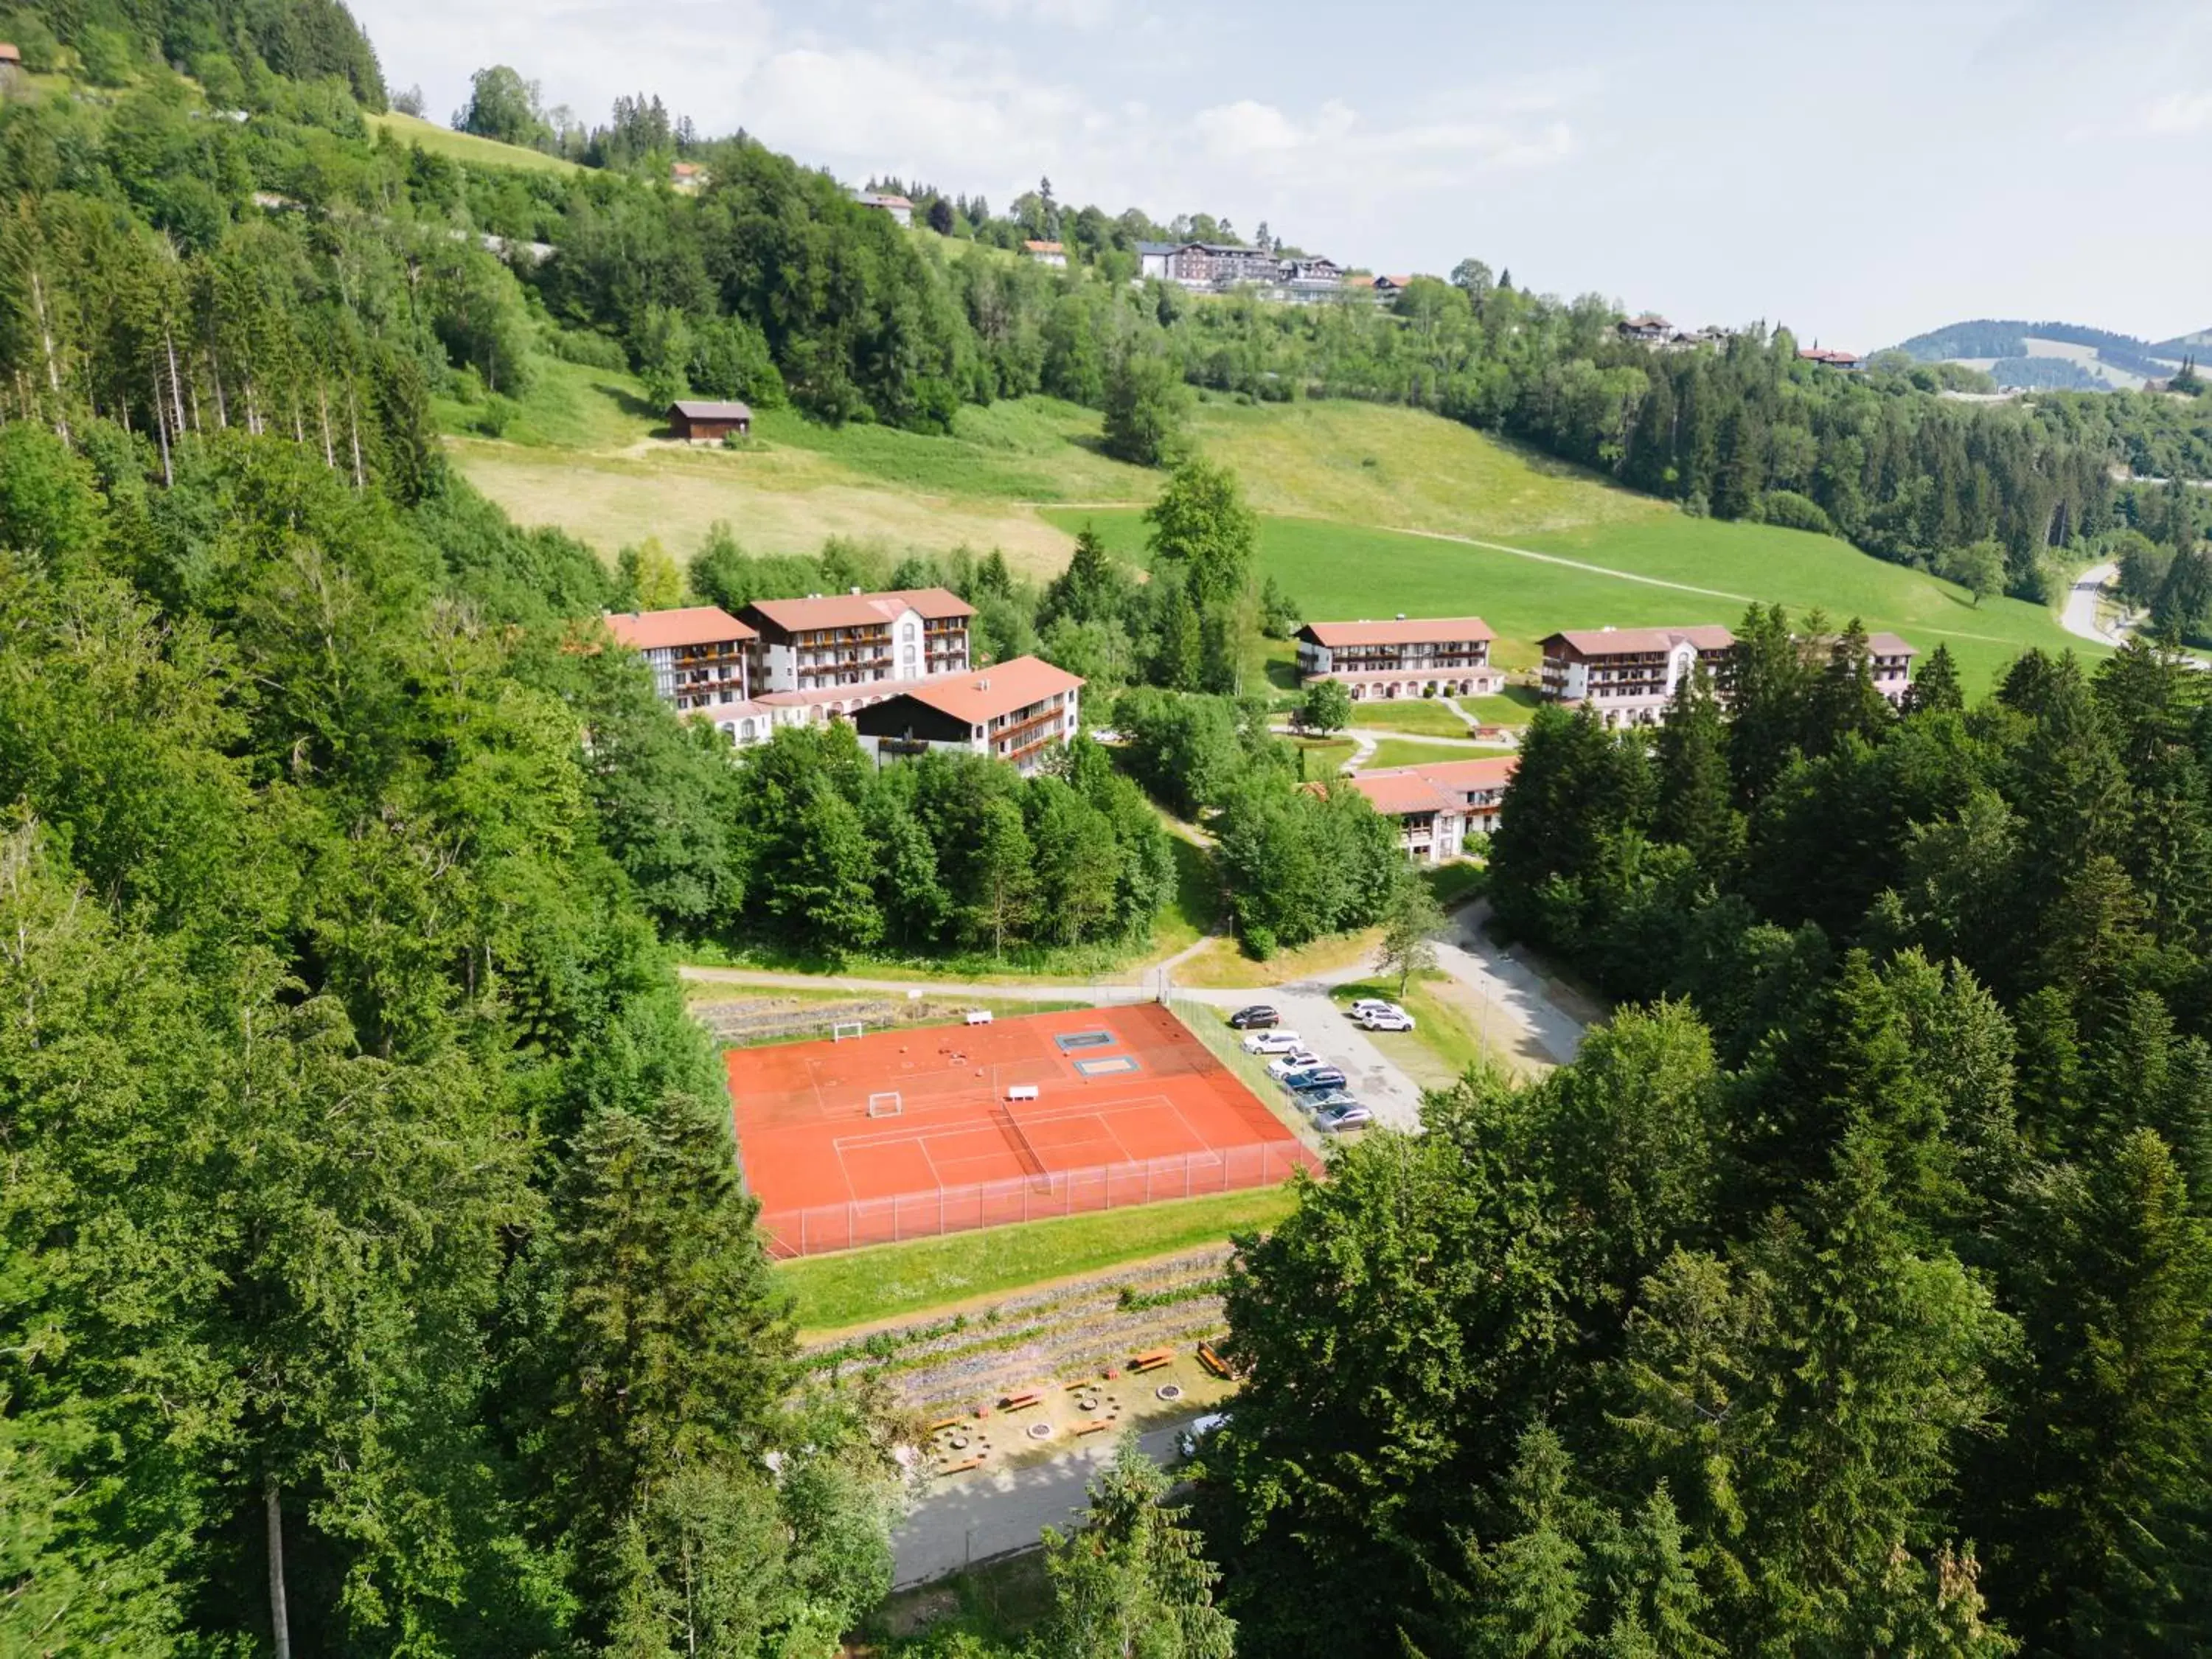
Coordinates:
1857 170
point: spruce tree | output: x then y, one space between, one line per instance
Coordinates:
1692 804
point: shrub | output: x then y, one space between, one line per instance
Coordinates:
497 415
1788 510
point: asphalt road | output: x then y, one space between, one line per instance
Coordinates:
2079 618
972 1517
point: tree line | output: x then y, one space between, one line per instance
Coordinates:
1850 1291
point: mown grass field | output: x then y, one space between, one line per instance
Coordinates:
1412 751
1665 569
466 147
893 1281
1425 717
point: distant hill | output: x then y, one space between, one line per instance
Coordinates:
2039 356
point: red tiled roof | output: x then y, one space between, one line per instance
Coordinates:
695 624
1394 791
1044 247
1407 630
1608 642
982 696
861 609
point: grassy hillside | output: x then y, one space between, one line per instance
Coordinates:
1369 510
466 147
587 451
1666 569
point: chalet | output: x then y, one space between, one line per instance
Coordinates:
1648 329
688 177
1844 359
11 64
1890 660
1020 712
696 421
899 209
697 654
1407 657
1310 278
1438 808
1046 253
1628 674
822 643
1392 285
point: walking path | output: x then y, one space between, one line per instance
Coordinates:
2080 616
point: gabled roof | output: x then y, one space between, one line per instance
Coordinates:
11 54
1044 247
698 409
872 198
983 696
1404 630
1608 642
1394 791
859 610
1888 645
657 631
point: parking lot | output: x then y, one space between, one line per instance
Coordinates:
1307 1009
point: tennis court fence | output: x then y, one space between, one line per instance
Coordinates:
829 1227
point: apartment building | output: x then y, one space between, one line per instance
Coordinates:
1628 674
697 654
1018 712
1438 809
1891 660
822 643
1407 657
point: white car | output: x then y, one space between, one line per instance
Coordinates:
1272 1043
1386 1019
1298 1060
1371 1006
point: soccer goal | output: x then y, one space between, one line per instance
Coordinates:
887 1104
845 1028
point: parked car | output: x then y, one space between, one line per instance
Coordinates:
1339 1119
1314 1080
1257 1017
1328 1101
1195 1432
1298 1060
1386 1019
1272 1042
1360 1005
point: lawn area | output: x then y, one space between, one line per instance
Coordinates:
466 147
1346 570
1429 717
1445 1041
1408 751
1324 757
1516 705
895 1281
1224 966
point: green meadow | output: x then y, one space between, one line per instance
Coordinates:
1663 570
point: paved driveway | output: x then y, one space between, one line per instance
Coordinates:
972 1517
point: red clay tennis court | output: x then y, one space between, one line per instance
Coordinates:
938 1128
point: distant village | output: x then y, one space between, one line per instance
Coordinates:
1224 267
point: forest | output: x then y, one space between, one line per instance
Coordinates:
377 1275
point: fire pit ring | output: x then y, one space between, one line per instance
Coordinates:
1169 1391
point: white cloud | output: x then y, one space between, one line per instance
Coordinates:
1337 145
2179 112
1065 14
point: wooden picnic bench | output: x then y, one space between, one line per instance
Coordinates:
944 1423
1153 1360
1093 1426
961 1467
1022 1401
1212 1361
